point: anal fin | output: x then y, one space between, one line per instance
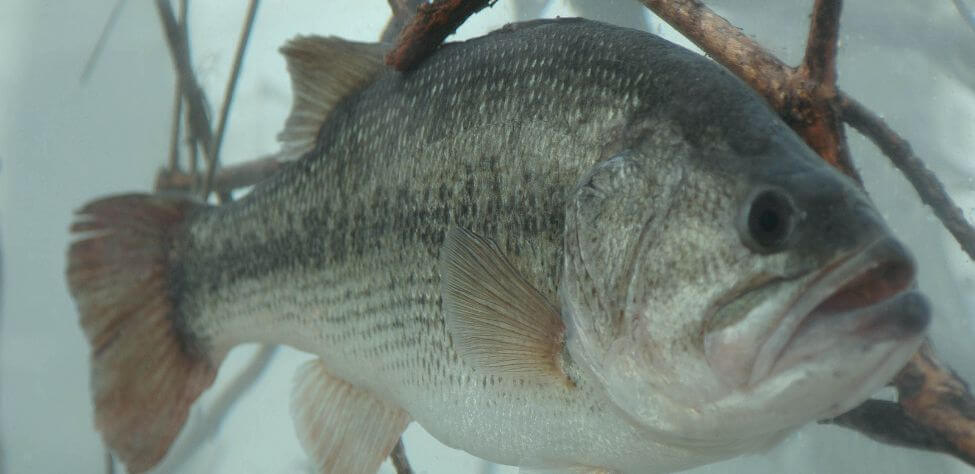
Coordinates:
345 429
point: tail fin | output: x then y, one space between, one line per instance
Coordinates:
145 373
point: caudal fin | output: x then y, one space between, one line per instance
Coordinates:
145 373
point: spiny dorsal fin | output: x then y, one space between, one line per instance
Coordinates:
499 322
345 429
323 71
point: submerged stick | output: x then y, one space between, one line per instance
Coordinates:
398 457
228 99
432 24
227 179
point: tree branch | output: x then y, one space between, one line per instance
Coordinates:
887 422
398 457
228 99
933 395
196 102
901 154
432 23
799 98
227 179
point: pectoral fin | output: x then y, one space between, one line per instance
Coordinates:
499 322
345 429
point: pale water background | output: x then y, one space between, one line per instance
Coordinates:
63 143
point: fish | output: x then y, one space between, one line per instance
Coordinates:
564 246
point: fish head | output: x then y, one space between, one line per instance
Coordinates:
724 293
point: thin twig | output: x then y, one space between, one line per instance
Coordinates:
814 113
398 457
794 95
96 51
228 99
936 397
226 179
176 128
196 107
819 61
966 13
432 23
901 154
887 422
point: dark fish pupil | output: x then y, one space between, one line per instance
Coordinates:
769 219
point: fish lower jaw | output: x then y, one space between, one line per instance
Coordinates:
867 298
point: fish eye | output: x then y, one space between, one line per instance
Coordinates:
770 221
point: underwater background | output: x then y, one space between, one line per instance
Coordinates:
64 141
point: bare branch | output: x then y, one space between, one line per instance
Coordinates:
729 46
398 457
887 422
228 98
819 62
176 128
930 189
794 95
96 51
431 25
227 179
934 396
176 39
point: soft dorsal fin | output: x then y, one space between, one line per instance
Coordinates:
323 71
499 322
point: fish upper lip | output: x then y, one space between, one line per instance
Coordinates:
838 288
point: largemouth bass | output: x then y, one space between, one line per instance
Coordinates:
563 245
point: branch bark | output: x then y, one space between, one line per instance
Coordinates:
398 457
432 24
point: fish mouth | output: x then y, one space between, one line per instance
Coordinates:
868 295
